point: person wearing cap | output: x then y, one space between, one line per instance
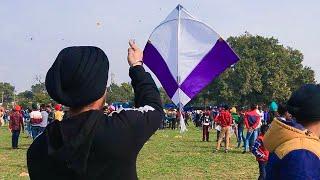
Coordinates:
15 125
58 113
88 144
295 145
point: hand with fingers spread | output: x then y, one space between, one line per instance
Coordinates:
135 54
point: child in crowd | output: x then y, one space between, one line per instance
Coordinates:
261 153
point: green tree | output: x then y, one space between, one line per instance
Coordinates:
25 98
122 93
40 94
7 90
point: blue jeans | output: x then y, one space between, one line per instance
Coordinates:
262 170
28 128
35 130
241 137
15 138
250 138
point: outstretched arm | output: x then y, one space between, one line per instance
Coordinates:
146 91
145 119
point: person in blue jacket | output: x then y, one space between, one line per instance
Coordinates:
295 145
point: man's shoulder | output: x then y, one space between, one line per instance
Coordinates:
299 147
38 146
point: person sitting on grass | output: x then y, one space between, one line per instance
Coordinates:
295 145
88 144
15 125
261 153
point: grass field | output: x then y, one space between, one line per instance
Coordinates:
167 155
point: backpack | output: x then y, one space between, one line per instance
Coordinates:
36 120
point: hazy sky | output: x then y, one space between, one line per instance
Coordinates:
33 32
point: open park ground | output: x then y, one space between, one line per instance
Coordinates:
167 155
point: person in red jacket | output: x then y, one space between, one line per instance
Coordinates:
252 121
261 153
224 119
15 125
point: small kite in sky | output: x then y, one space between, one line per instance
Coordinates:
186 55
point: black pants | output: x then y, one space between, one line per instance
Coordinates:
262 170
15 138
173 123
205 133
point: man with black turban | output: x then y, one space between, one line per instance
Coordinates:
89 144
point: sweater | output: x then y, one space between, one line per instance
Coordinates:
252 119
92 145
224 119
294 152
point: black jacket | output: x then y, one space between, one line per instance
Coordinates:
94 146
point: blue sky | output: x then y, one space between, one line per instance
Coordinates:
33 32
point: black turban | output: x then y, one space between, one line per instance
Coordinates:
304 104
78 76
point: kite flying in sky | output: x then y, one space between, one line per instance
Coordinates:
186 55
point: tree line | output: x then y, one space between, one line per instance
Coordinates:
267 71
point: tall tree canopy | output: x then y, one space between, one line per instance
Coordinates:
122 93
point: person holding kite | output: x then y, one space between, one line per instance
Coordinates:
88 144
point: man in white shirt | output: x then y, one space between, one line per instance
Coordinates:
35 120
45 116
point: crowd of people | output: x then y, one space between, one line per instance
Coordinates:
32 120
226 121
277 149
84 143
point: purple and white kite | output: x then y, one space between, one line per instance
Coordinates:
186 55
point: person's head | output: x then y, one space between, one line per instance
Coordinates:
34 106
78 78
304 105
264 128
253 107
58 107
233 110
17 108
283 111
226 107
42 107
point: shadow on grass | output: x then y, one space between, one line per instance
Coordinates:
11 149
